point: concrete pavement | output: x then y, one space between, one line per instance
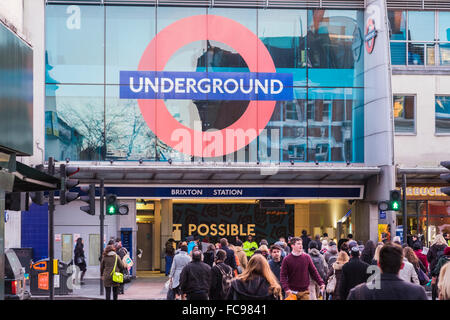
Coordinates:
146 286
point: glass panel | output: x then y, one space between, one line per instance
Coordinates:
444 53
397 22
128 32
333 124
430 54
404 117
416 54
398 53
71 30
66 247
284 137
444 26
442 112
128 136
283 32
421 25
74 122
335 41
94 249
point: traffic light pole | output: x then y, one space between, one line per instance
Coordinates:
102 224
51 210
405 222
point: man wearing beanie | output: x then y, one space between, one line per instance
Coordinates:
354 272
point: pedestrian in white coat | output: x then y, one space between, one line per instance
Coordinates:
408 273
180 260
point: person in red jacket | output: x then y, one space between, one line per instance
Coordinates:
295 271
417 247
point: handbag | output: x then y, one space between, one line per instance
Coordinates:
331 285
117 277
423 278
79 260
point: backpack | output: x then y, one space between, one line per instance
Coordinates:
318 263
227 278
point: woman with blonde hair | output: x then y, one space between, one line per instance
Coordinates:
444 282
257 282
334 275
264 251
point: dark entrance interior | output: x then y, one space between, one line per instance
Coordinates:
144 242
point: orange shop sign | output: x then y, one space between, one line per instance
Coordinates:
424 192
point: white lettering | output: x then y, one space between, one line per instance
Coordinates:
272 86
190 83
178 85
163 85
132 84
74 21
217 83
227 89
250 86
154 84
264 88
207 88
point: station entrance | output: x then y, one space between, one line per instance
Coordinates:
213 219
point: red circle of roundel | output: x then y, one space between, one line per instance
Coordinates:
370 44
165 126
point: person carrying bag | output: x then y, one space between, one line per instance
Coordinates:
111 271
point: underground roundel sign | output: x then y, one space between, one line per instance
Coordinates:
371 34
151 85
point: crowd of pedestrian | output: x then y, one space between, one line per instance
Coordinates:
303 268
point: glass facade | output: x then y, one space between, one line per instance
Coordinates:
87 46
419 38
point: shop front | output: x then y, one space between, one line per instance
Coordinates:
428 212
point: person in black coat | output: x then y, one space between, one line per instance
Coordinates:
218 272
305 239
80 259
276 260
209 255
231 259
354 272
390 286
195 278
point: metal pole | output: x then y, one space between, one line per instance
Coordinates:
102 224
405 222
51 210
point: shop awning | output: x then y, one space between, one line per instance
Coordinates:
421 175
223 173
28 179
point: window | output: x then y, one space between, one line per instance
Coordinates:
419 38
442 114
404 114
94 249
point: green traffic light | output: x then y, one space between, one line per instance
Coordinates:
395 205
111 210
